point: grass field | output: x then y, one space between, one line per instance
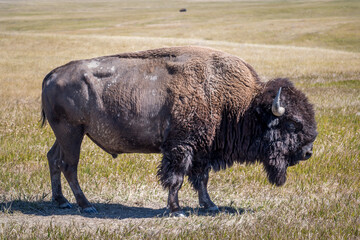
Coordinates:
314 43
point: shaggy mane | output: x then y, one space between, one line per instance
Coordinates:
241 139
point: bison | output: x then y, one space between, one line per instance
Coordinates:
201 108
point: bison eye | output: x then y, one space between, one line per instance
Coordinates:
292 126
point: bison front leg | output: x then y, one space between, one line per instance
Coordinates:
174 166
173 198
199 178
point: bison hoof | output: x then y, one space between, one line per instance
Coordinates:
65 205
180 214
89 210
212 209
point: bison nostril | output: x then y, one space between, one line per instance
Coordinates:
307 155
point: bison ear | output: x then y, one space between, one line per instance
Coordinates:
258 110
273 122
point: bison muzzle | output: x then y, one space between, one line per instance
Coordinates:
201 108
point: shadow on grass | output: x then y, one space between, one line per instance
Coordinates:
106 210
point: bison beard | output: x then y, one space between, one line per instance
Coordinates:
201 108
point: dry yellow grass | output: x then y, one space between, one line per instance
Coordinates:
322 196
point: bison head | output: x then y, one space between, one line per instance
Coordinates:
288 128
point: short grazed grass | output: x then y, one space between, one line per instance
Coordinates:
314 43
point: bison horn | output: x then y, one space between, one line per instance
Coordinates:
276 109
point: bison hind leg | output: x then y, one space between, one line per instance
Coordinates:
68 141
55 176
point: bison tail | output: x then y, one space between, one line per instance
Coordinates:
43 118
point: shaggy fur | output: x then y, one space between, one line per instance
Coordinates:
260 136
201 108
